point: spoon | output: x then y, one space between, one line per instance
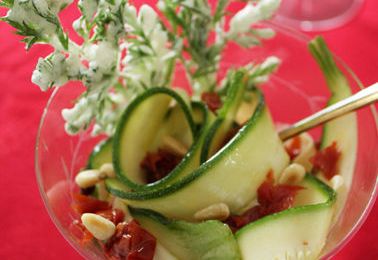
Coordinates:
362 98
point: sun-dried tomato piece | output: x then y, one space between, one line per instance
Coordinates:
271 198
80 233
327 161
212 100
275 198
294 148
87 191
158 164
86 204
130 242
114 215
231 133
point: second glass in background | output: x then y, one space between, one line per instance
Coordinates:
318 15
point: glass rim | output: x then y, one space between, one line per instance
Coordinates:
324 24
286 30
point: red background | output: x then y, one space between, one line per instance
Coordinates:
26 231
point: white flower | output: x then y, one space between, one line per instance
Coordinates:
268 8
77 24
169 55
102 59
189 2
23 12
73 66
146 49
251 14
246 41
88 8
114 31
265 33
105 55
131 11
57 5
147 18
149 70
159 40
117 98
270 62
243 19
41 6
50 71
38 79
161 5
261 72
130 15
80 115
113 108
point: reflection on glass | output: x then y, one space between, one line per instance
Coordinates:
316 15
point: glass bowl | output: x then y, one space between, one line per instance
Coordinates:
296 90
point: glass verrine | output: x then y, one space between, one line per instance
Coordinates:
296 90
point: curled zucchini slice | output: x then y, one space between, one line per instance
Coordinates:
207 240
342 131
141 128
295 233
231 176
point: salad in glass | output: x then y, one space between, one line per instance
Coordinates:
195 174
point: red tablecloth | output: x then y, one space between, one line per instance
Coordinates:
26 232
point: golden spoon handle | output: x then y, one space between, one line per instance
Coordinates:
360 99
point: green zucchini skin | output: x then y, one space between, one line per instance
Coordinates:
225 119
191 160
102 153
122 192
327 192
217 180
206 240
338 86
123 176
343 131
301 230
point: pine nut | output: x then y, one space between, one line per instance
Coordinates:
292 174
300 255
244 112
308 150
337 182
102 192
87 178
100 227
121 205
174 146
309 253
219 211
107 170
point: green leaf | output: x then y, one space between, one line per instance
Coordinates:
63 38
7 3
171 15
30 41
31 35
324 57
219 11
195 10
49 16
14 24
204 71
